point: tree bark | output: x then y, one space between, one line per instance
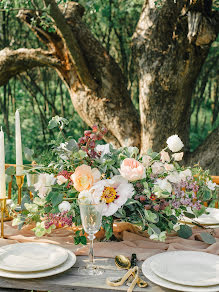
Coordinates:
14 62
206 155
168 66
95 82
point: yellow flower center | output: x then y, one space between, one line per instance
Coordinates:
109 195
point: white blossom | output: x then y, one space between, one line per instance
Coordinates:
64 206
174 143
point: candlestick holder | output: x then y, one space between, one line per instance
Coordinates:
20 182
3 208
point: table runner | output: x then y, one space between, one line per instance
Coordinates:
130 242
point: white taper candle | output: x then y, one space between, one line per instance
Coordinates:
19 158
2 166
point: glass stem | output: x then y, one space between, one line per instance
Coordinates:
91 252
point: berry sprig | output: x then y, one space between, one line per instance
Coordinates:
88 142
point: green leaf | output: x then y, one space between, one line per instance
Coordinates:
10 170
185 231
8 179
151 217
57 199
199 212
155 228
207 195
52 124
207 237
72 145
189 215
83 240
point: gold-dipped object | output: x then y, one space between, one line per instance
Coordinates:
20 182
123 262
3 208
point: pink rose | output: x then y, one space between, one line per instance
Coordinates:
132 169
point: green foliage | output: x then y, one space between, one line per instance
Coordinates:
185 231
207 237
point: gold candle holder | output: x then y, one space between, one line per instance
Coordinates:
20 182
3 208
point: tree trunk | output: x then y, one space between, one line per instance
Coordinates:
168 66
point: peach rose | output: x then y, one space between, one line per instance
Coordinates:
84 177
132 169
164 156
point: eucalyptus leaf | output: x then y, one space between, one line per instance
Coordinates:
8 179
10 170
56 199
72 145
150 216
189 215
185 231
155 228
207 237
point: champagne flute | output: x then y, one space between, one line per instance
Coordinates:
91 217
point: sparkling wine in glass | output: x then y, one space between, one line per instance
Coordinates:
91 217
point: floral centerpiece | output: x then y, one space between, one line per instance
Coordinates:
150 190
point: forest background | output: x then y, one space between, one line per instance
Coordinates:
40 94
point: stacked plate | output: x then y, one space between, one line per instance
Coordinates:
210 220
34 260
184 271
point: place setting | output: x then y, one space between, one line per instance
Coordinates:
34 260
184 271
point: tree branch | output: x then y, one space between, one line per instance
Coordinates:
13 62
69 39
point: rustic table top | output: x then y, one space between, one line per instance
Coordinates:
71 280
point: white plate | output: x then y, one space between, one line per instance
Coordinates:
147 271
205 219
31 257
57 270
187 267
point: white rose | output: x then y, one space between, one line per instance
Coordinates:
43 186
96 174
211 185
33 208
85 197
164 156
174 143
178 156
61 179
157 167
184 174
169 167
164 185
174 177
176 227
146 159
104 149
64 206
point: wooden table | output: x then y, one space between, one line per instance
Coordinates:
71 280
